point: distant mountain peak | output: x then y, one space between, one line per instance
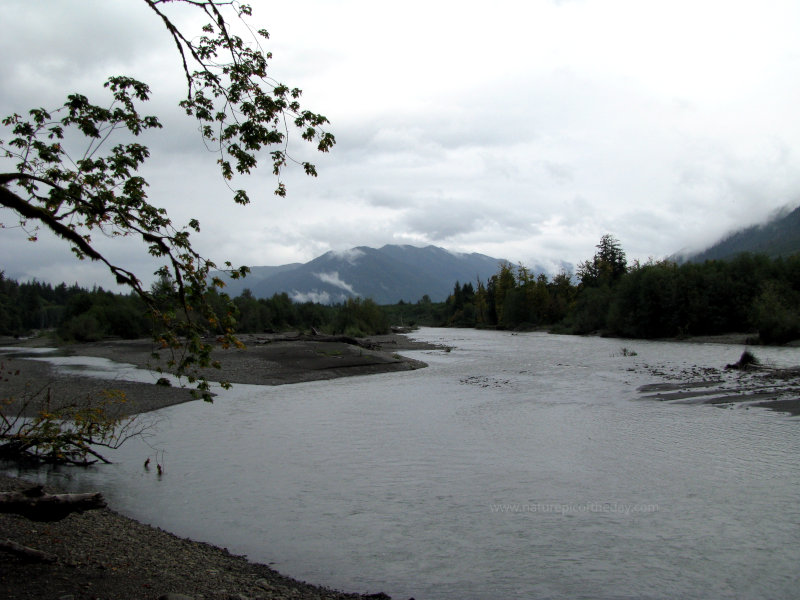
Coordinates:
387 275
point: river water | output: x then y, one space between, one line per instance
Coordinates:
515 466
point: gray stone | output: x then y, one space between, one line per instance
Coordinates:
264 584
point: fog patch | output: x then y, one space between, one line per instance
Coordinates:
351 255
334 280
312 296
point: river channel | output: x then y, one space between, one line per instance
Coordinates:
514 466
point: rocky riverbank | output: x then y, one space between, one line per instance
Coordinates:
767 387
102 555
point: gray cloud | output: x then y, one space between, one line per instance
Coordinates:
524 138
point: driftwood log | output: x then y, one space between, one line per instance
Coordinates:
34 504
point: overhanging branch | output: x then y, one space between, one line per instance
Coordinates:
29 211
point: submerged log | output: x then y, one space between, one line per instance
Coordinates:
34 504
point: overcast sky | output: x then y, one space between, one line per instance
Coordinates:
520 129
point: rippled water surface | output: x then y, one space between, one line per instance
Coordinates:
515 466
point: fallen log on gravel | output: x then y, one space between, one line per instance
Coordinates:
30 554
34 504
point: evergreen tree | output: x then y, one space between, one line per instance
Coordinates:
607 266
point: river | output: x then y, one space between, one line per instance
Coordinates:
515 466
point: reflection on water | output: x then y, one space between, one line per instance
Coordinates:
516 466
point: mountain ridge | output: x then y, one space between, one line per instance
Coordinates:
386 275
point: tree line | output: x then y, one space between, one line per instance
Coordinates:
657 299
87 315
